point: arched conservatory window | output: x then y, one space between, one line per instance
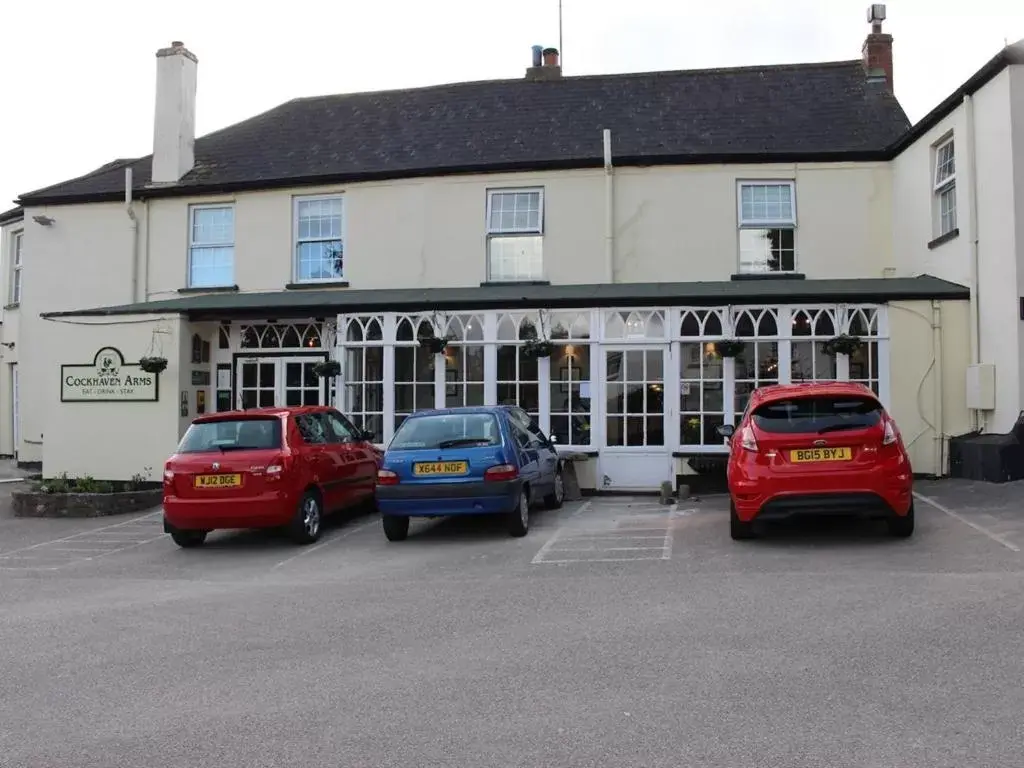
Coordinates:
570 382
518 373
702 378
363 400
811 327
414 367
758 364
863 323
464 361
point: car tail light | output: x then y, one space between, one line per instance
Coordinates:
168 476
386 477
276 468
747 441
890 434
501 472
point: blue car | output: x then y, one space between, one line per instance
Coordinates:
468 461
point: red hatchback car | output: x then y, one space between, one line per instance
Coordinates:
819 448
267 468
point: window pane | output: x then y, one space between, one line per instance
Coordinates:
570 394
213 226
320 260
767 250
947 210
766 203
211 267
515 212
945 163
515 258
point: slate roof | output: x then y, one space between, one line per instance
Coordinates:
788 113
326 302
14 214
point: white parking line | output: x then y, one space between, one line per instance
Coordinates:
614 529
997 537
81 533
346 532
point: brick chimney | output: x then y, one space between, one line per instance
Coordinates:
174 125
545 65
877 50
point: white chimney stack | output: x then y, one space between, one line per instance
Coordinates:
174 128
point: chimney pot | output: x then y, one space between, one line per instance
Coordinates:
550 57
177 44
536 55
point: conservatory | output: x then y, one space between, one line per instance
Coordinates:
633 389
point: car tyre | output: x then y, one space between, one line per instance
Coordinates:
555 499
738 529
307 524
395 528
519 516
902 527
188 539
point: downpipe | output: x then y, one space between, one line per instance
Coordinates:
977 418
609 208
134 229
940 443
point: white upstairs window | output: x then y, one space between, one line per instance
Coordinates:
319 239
945 188
211 253
767 226
515 235
17 246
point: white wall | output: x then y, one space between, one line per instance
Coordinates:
998 198
9 323
671 224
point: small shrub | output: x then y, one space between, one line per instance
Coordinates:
84 484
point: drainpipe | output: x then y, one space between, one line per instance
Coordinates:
609 209
134 226
937 391
977 419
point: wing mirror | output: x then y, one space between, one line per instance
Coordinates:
554 439
726 431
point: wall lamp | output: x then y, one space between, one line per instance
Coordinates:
43 220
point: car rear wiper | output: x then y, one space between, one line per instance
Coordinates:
463 441
840 427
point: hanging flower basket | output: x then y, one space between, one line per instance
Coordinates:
153 364
535 348
433 343
327 369
729 347
843 344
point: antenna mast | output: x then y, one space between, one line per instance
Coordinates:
561 50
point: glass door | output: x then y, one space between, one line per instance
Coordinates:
267 382
635 398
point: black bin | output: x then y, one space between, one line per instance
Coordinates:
993 458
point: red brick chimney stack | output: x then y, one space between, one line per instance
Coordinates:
877 50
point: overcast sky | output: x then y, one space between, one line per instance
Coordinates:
80 76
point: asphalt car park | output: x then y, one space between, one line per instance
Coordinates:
619 631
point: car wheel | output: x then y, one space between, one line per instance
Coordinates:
555 498
519 516
738 529
188 539
395 528
902 527
307 524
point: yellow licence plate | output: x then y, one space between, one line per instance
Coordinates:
440 468
218 481
804 455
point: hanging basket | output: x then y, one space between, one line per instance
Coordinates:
433 343
153 364
535 348
843 344
729 347
327 369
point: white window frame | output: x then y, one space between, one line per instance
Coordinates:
790 223
340 197
193 245
17 244
942 185
492 232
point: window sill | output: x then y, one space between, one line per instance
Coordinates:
313 286
769 276
489 283
953 234
13 305
568 449
212 289
707 450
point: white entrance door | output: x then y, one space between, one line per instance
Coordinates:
16 420
636 454
266 382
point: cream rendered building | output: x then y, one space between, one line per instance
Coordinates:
632 220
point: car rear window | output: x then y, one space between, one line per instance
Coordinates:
818 414
232 435
446 431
